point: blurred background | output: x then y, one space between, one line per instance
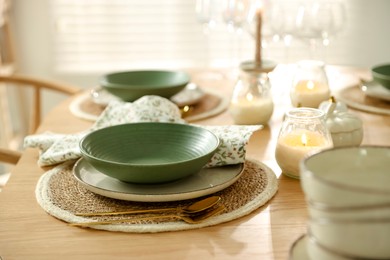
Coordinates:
76 41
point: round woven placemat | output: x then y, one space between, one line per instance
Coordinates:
210 105
60 195
354 97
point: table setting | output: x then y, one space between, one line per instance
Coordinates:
196 103
287 161
226 171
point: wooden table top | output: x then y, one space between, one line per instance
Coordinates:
28 232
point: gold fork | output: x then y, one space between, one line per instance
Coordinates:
188 218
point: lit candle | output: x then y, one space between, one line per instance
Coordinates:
251 111
294 146
309 93
258 35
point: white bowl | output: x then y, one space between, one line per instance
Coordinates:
347 176
363 238
348 194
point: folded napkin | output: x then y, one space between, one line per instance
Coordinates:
57 148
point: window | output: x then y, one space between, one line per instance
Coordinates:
101 35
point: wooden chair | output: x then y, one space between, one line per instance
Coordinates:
38 86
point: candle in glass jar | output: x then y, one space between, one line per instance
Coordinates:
309 93
251 111
294 146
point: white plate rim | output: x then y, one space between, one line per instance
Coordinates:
190 194
339 96
376 90
298 249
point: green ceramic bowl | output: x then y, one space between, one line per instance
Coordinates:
381 74
149 152
131 85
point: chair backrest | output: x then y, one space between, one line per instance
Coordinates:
9 156
38 86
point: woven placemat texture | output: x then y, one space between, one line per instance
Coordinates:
210 105
60 195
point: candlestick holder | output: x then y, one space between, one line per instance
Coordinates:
310 84
303 132
252 66
251 102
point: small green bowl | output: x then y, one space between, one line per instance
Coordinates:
131 85
381 74
149 152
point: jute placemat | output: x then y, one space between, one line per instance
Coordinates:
210 105
354 97
60 195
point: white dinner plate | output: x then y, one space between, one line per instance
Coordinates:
190 95
298 250
376 90
205 182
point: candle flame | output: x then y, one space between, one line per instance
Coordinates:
249 97
304 139
310 85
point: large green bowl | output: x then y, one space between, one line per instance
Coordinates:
131 85
149 152
381 74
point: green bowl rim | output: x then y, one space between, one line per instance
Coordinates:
378 74
212 151
105 84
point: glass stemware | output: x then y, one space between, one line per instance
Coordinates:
207 14
330 19
234 14
318 21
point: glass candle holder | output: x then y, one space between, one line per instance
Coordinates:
251 101
310 84
303 132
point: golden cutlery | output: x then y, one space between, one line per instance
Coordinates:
188 218
192 208
186 109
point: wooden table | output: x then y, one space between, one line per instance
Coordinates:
28 232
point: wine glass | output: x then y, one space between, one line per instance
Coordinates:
304 24
318 21
207 13
330 19
234 14
278 23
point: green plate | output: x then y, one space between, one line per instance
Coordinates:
131 85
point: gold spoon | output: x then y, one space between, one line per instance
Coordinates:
192 208
186 217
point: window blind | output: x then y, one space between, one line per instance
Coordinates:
106 35
101 35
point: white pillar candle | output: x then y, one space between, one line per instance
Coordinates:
247 111
309 93
294 146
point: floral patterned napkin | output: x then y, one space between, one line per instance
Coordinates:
57 148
